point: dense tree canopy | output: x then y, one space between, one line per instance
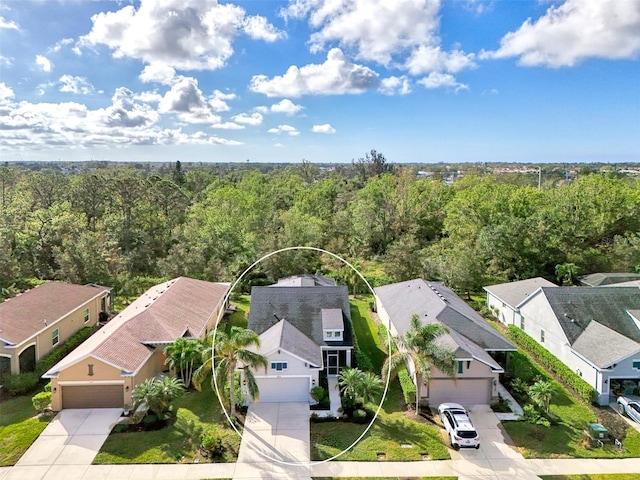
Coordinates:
110 224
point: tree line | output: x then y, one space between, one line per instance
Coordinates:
111 225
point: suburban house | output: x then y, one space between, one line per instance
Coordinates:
304 324
476 344
504 299
595 331
603 279
102 371
36 321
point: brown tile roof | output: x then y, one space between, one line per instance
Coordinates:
23 316
159 316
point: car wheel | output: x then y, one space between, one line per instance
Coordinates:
620 408
477 446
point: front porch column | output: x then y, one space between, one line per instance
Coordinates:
349 358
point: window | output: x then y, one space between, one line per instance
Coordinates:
55 336
521 322
338 334
279 366
460 366
541 336
87 316
636 364
328 334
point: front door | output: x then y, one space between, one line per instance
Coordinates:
332 364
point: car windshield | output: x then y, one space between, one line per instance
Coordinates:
466 434
635 406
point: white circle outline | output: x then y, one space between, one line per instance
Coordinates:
213 364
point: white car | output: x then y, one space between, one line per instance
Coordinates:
630 407
457 423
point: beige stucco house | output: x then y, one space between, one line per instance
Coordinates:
38 320
477 346
102 372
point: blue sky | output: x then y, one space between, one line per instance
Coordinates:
321 80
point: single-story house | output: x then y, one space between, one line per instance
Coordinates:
604 279
476 344
595 331
102 371
304 324
38 320
504 299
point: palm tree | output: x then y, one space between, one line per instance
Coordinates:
359 386
229 349
567 273
183 355
540 393
419 345
370 387
158 394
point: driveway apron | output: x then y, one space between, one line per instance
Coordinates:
73 437
275 442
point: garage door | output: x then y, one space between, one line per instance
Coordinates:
283 389
92 396
475 391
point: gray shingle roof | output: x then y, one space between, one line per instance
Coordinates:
286 336
595 341
332 319
301 307
576 307
514 293
433 302
599 279
305 281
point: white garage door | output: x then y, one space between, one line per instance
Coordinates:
476 391
283 389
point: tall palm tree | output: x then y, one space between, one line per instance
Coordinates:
183 355
420 346
358 385
540 393
229 349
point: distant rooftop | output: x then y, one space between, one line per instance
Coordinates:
600 279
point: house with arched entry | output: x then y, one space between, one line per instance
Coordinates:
35 322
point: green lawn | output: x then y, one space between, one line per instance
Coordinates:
565 440
19 427
392 428
178 442
239 317
594 476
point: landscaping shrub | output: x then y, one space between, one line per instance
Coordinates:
319 394
359 416
531 415
20 384
211 441
41 401
120 428
408 388
548 360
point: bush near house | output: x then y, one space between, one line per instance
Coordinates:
41 401
548 360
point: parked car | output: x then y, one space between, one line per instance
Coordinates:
630 407
456 421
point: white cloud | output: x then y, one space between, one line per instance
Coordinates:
576 30
187 101
125 112
183 34
158 73
285 106
8 61
77 85
6 93
288 129
440 80
218 101
44 63
8 24
326 128
258 28
395 86
336 76
253 119
149 97
61 43
376 29
428 58
228 126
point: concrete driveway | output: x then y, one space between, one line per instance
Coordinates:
73 437
275 442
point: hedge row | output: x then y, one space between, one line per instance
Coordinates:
551 362
23 383
407 385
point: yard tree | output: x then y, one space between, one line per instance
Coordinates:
229 349
184 355
567 273
158 394
419 347
541 393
